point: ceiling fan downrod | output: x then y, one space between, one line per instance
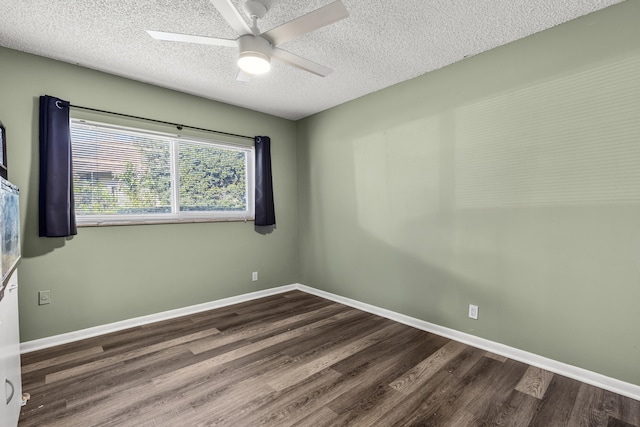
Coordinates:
255 10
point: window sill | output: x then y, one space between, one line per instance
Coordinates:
111 223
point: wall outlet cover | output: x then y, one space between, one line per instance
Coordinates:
473 311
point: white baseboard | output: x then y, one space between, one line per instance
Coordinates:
583 375
55 340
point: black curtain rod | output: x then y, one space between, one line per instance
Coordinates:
177 125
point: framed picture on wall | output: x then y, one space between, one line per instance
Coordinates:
3 151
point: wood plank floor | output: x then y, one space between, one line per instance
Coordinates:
297 359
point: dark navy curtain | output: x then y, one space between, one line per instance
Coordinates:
57 215
265 211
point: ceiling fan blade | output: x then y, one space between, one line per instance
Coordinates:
186 38
232 16
243 76
302 63
319 18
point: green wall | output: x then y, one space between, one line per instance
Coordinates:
107 274
509 180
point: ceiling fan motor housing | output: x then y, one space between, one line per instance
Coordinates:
252 47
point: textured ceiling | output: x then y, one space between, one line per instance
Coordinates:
381 43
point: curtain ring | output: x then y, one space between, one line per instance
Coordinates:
58 105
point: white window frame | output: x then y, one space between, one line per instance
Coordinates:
175 216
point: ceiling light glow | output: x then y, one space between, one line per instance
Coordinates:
254 63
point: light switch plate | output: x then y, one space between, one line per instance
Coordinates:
44 297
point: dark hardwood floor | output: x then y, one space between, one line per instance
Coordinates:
297 359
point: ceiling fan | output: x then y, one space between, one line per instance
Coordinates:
255 48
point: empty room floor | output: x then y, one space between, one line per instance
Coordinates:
298 359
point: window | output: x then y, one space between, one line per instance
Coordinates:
130 176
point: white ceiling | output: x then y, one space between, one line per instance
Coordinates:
381 43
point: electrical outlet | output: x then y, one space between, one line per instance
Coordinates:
44 297
473 311
254 276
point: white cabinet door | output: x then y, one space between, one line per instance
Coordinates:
11 385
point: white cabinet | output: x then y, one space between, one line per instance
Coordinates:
10 380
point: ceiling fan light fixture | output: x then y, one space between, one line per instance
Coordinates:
256 48
254 63
254 55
